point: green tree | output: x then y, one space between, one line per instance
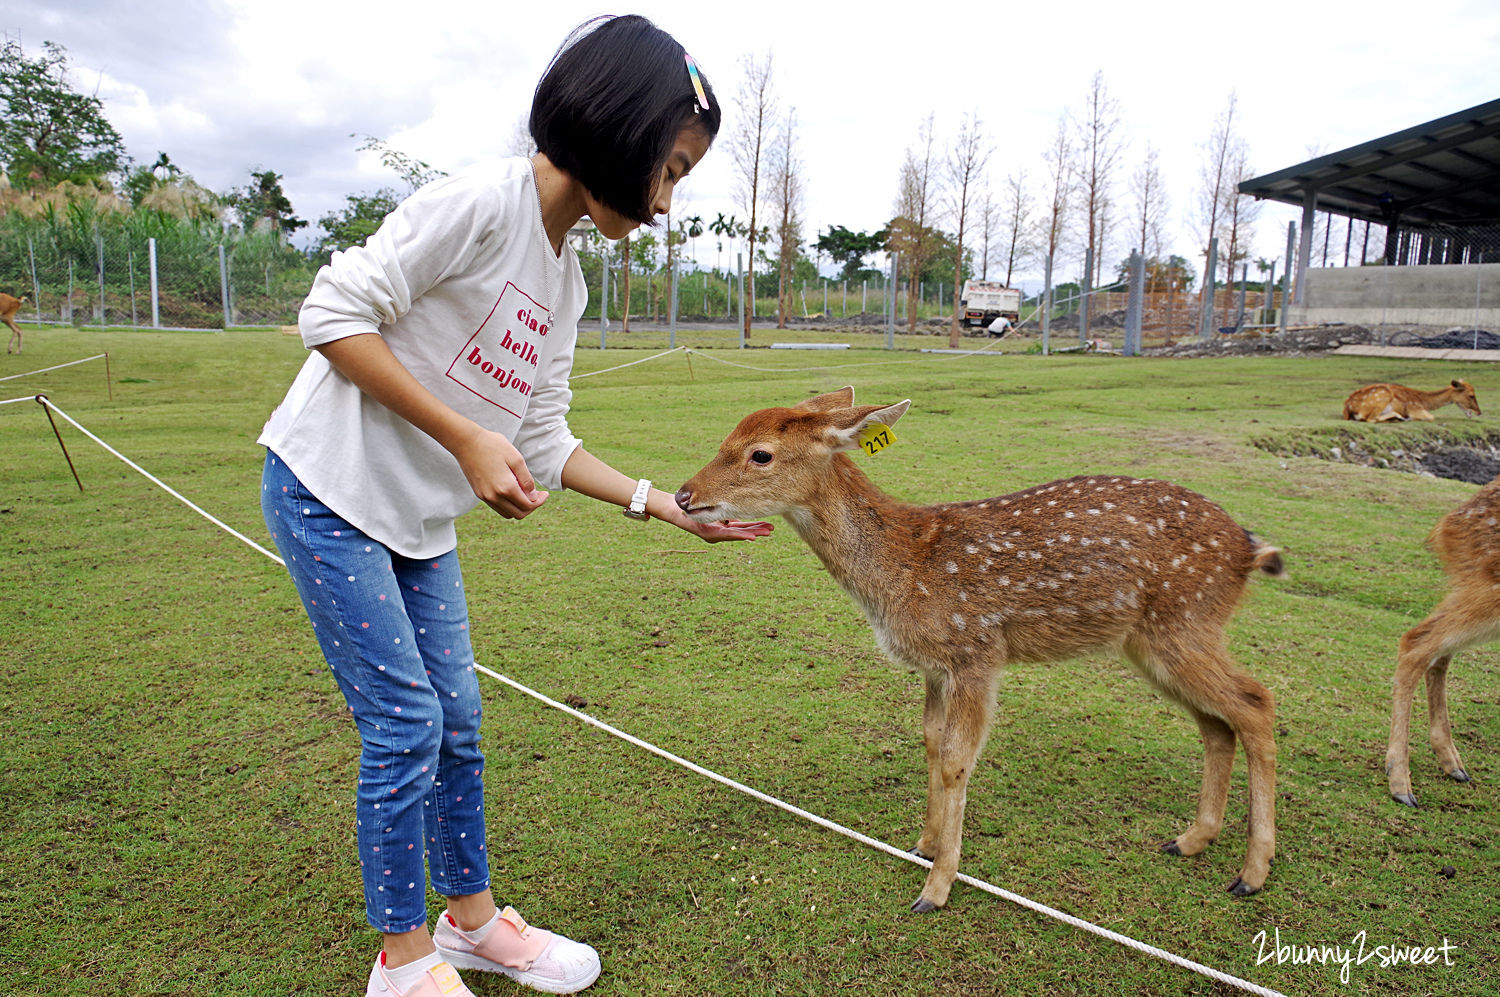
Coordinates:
50 132
1170 274
140 181
849 249
263 198
356 222
415 172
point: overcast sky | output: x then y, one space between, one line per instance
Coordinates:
228 86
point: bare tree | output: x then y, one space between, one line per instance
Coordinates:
757 106
1059 159
1214 173
911 236
1017 226
1238 212
520 142
966 163
785 182
1099 148
989 216
1150 204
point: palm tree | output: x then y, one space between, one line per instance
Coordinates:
721 227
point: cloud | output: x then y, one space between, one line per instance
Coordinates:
224 86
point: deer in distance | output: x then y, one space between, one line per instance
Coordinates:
958 589
1398 403
9 307
1467 542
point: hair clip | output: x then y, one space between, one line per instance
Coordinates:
702 97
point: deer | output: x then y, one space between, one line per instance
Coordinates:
1398 403
956 590
1467 544
9 306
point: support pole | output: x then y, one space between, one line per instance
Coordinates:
1304 248
224 286
155 298
1206 296
672 311
739 261
1047 309
890 315
1083 297
1135 305
1286 278
42 401
603 297
99 255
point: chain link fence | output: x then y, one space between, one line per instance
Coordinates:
179 277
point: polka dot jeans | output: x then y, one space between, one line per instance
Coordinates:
395 633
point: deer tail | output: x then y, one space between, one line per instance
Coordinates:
1265 558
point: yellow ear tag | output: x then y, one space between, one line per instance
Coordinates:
875 438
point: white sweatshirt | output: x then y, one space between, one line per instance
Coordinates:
463 285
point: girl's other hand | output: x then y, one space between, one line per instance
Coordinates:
497 472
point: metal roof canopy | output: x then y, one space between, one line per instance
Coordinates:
1442 173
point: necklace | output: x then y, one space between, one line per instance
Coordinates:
547 263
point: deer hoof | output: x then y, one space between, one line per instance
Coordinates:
923 906
1240 888
1459 775
1405 799
1171 848
917 851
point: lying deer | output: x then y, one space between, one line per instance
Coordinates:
1398 403
958 589
1467 542
9 306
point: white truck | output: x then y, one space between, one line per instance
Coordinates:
983 301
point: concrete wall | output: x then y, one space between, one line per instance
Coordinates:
1465 294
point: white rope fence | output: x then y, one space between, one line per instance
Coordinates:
823 822
43 370
691 351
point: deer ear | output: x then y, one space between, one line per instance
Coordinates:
1459 384
846 431
842 398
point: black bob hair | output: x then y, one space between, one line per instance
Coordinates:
610 106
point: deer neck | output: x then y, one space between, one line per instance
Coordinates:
1436 399
853 527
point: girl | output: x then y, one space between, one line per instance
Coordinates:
438 379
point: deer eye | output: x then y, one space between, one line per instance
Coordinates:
761 456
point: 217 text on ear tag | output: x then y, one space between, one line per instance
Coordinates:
875 438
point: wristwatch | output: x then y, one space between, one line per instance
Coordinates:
637 507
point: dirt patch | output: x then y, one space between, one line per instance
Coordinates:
1475 459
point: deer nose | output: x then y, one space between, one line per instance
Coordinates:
684 498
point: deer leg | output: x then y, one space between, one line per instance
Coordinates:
1411 663
934 714
966 723
1425 650
1440 732
1218 763
1254 722
1227 704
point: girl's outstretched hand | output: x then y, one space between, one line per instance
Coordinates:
729 529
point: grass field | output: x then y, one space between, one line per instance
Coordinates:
178 767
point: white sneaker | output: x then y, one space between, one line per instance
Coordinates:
438 981
531 956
